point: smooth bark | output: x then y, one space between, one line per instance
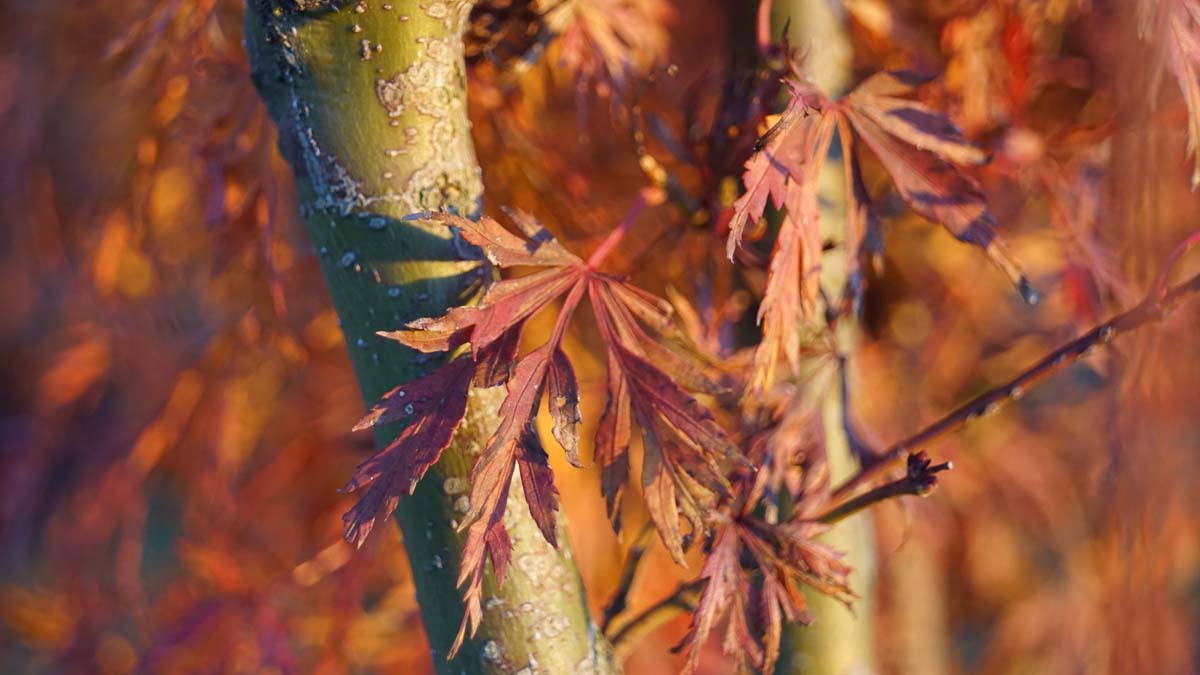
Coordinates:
369 99
838 641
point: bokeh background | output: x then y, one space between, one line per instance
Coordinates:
176 398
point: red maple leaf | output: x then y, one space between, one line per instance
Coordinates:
684 446
919 148
433 406
778 558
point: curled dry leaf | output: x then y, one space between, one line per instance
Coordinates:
564 405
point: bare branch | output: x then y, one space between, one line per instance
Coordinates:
683 599
1153 308
919 481
620 599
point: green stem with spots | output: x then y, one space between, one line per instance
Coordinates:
370 102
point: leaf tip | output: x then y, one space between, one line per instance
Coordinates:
458 640
356 532
1028 292
996 251
349 487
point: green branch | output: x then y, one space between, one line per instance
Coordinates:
369 99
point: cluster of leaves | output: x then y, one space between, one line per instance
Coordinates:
782 555
690 466
685 452
602 42
754 564
606 41
186 522
918 146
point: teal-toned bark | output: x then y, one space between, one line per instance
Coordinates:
369 100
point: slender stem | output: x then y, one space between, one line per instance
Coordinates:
610 242
766 41
1150 310
682 599
917 484
620 598
1159 288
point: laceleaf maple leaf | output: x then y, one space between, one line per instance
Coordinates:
754 574
684 447
726 592
1175 25
433 406
603 42
682 444
919 148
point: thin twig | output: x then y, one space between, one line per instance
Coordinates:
620 599
918 482
920 478
610 242
1151 309
682 599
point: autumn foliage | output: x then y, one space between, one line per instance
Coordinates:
998 213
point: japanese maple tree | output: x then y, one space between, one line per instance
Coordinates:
693 470
731 284
691 466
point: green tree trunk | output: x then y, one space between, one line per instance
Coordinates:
370 102
838 642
